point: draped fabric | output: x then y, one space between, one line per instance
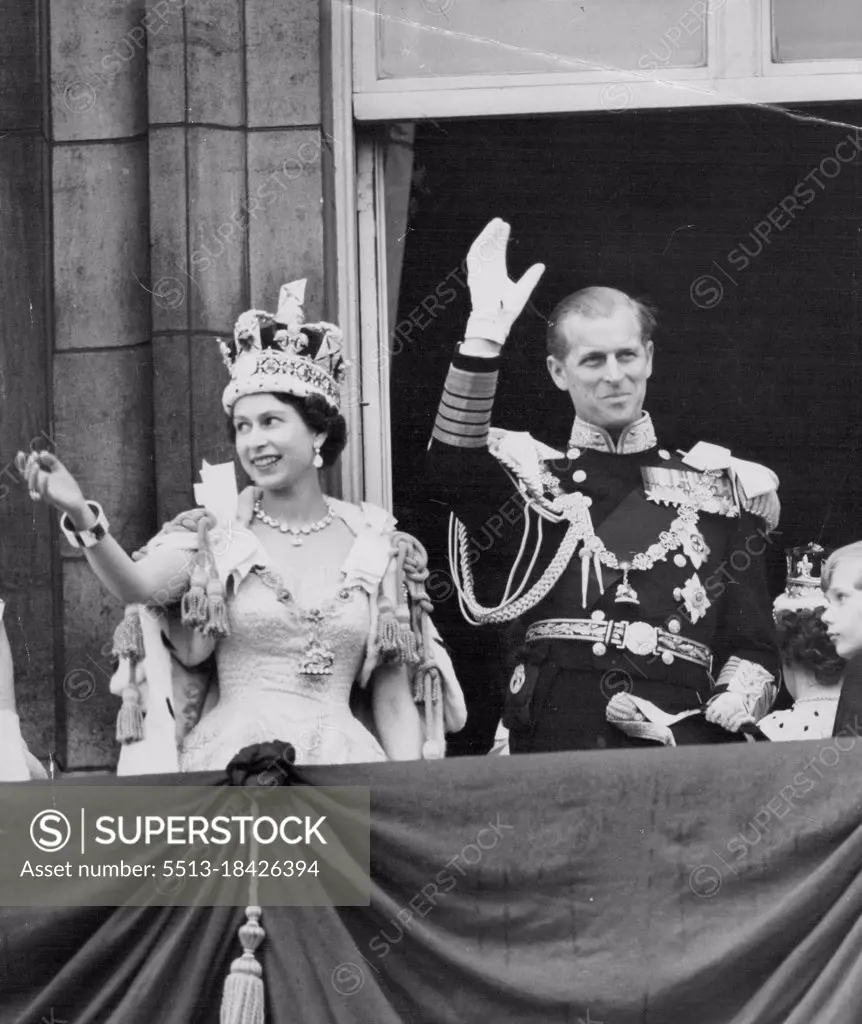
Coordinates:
713 884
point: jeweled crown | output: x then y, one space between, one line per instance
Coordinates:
280 353
802 589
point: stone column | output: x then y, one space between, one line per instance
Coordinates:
27 564
102 361
235 202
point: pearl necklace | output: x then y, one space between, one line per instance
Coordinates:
296 532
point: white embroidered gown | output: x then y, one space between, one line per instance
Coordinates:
266 689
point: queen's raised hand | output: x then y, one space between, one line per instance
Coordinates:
49 481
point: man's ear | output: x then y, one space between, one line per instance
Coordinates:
558 373
650 348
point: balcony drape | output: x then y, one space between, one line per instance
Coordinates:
716 884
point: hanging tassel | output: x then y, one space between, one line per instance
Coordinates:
216 624
243 997
585 575
428 682
194 607
412 573
194 603
405 641
426 691
130 717
597 565
129 636
387 629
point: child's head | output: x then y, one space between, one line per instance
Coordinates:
842 584
803 643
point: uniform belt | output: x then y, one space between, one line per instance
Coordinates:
637 637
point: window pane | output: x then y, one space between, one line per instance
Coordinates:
428 38
827 30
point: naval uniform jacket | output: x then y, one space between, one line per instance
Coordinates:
710 590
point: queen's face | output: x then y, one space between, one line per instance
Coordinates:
274 445
843 614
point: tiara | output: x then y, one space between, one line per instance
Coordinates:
280 353
802 590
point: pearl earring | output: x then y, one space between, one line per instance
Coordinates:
317 461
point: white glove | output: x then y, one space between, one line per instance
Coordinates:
497 301
730 711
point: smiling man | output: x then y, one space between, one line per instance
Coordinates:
599 350
635 575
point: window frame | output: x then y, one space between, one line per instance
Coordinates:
739 70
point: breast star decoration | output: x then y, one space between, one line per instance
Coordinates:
694 596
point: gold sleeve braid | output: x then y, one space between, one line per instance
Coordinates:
464 413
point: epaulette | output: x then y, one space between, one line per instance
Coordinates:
523 457
734 484
710 491
754 478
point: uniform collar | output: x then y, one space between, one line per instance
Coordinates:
636 437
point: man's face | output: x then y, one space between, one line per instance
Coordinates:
606 369
843 614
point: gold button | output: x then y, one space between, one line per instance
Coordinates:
573 453
597 616
677 594
600 650
579 476
663 453
667 658
679 560
674 626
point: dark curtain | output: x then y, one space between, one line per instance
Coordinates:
719 885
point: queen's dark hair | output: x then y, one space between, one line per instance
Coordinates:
319 416
803 640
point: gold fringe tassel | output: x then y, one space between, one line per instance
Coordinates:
416 648
130 717
387 629
243 997
216 624
128 645
194 603
408 652
128 639
195 607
